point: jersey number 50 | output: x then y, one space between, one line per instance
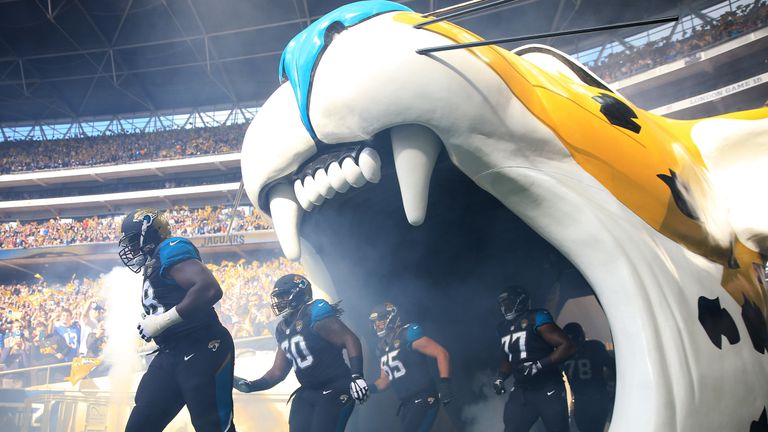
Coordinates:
296 350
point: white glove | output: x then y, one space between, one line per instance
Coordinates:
153 325
358 388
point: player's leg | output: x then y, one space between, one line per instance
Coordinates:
302 411
158 397
205 379
550 403
332 410
591 411
519 412
419 415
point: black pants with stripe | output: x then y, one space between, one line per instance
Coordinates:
196 372
526 405
321 410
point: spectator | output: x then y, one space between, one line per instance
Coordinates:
70 331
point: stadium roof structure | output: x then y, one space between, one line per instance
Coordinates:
74 60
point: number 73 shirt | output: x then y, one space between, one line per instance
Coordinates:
407 369
521 342
318 363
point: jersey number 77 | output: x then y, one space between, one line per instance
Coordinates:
508 342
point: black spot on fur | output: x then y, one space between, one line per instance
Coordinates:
756 326
675 186
717 322
617 112
761 424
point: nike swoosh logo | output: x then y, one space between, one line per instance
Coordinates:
327 391
417 401
173 242
189 356
550 393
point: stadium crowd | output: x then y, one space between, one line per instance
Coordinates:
184 222
731 24
45 323
32 155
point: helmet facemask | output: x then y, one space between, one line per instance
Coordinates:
384 319
138 242
514 304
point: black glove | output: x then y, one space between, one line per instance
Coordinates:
445 391
498 386
241 384
529 369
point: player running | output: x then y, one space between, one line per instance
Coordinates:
310 338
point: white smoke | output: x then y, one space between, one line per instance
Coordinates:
122 291
488 413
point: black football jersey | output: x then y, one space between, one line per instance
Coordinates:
317 362
408 370
521 342
586 369
160 292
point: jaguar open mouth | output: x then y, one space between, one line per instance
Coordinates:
491 168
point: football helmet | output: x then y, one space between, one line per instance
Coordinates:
142 231
291 292
384 319
514 301
575 331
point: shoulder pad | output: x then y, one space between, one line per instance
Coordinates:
319 310
413 332
542 316
173 251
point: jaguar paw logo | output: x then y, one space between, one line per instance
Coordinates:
214 344
431 400
524 323
396 343
343 398
299 325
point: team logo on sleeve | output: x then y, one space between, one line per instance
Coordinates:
299 325
396 343
214 344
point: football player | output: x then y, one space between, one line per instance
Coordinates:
195 359
310 339
532 348
406 354
587 371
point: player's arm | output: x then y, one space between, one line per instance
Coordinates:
556 337
505 370
203 291
430 348
271 378
382 383
337 333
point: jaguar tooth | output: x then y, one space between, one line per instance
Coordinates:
370 165
286 215
301 196
352 173
336 177
323 184
313 194
415 149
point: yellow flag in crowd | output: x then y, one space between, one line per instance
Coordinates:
38 276
81 367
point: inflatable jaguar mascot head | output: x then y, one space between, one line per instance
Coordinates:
666 220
